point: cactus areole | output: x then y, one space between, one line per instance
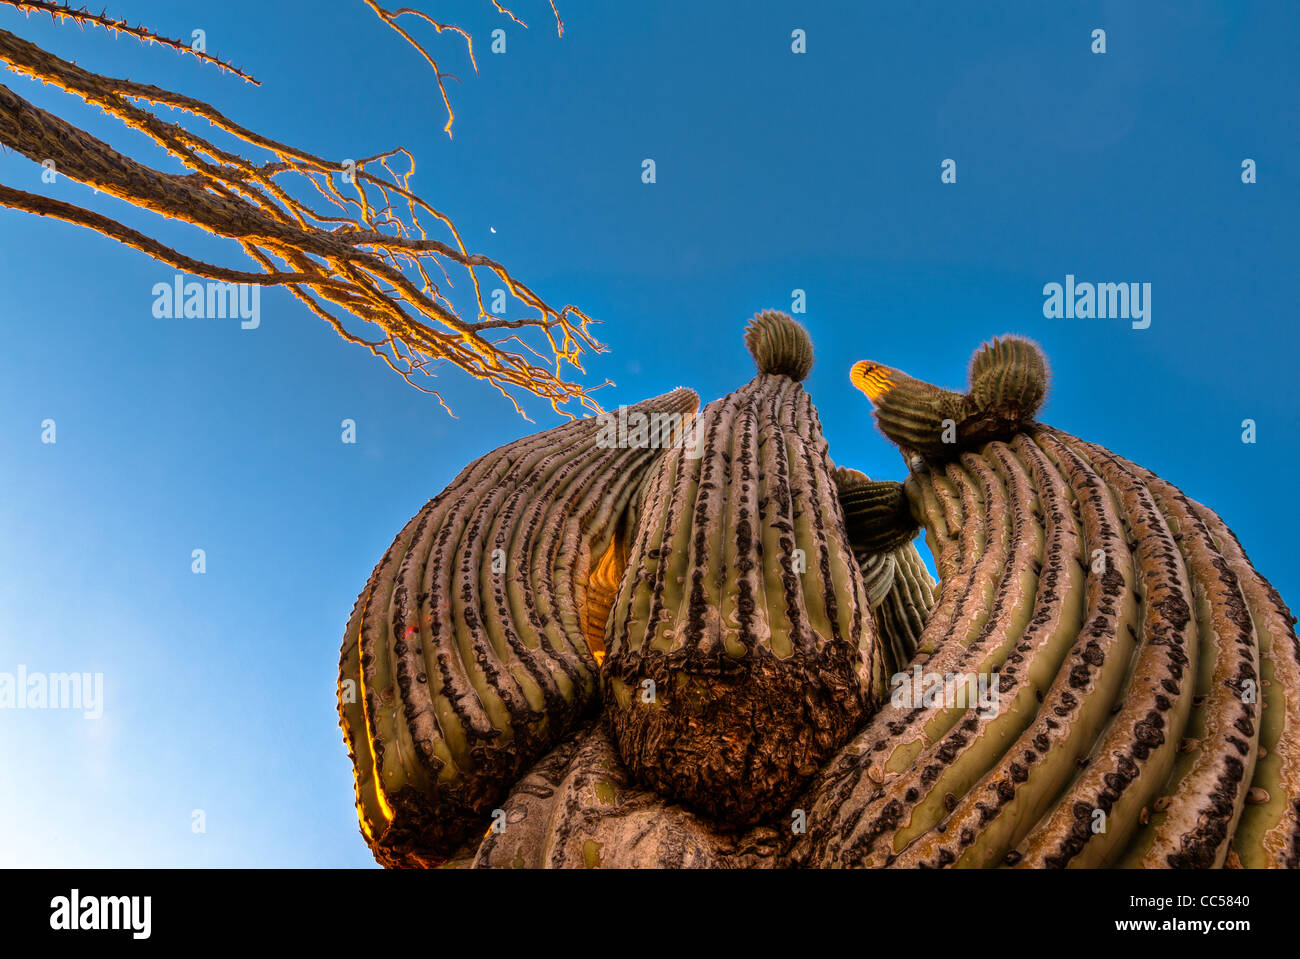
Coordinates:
729 652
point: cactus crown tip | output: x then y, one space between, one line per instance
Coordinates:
686 391
1009 372
779 344
874 379
847 478
1006 349
1006 343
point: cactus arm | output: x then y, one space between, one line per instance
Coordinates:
1195 822
983 824
960 744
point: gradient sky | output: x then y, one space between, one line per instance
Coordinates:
776 171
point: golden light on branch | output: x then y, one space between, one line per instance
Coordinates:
390 17
349 239
62 11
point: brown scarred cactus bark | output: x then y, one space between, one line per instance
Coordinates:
579 808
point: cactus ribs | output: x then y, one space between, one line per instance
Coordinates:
581 654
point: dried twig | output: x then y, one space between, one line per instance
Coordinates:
348 235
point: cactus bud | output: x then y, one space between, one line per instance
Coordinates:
779 345
1009 376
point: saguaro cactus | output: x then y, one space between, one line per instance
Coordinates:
1144 678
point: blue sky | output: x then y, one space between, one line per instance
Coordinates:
775 171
